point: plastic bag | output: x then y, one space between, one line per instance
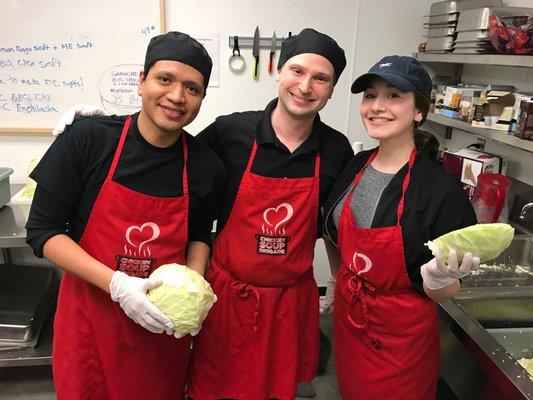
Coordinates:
511 35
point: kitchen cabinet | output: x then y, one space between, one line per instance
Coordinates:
480 59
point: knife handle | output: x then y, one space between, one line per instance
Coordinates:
256 64
270 62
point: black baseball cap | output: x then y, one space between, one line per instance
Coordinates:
404 73
311 41
177 46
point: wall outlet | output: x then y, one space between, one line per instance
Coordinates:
481 143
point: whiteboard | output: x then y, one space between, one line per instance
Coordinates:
57 53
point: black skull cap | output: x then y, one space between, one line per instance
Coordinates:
178 46
311 41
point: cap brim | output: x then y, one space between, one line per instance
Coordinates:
361 83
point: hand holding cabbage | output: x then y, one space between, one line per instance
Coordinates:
471 245
436 274
184 296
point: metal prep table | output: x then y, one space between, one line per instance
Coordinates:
13 235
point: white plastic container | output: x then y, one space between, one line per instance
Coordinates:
5 191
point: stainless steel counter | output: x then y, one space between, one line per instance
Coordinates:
13 235
493 308
12 226
473 362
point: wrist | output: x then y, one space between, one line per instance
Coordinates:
114 284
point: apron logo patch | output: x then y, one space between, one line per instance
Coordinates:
360 263
137 260
274 239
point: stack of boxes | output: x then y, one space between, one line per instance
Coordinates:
493 107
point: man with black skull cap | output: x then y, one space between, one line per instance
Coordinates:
261 337
115 200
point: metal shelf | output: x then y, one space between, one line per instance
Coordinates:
485 59
499 136
41 354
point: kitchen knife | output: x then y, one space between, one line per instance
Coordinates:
272 51
255 52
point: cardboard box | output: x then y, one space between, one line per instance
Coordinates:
467 164
525 121
497 111
452 102
470 96
437 99
519 97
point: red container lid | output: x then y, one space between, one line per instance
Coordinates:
494 180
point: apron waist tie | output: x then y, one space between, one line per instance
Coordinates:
243 290
358 287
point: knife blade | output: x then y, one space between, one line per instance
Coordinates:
255 52
272 51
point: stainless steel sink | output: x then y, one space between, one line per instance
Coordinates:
488 326
512 268
518 342
500 293
507 311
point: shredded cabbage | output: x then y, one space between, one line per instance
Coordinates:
527 364
485 241
184 296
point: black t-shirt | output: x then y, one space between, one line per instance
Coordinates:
71 173
435 204
232 137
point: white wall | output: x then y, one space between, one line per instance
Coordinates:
239 92
366 29
384 27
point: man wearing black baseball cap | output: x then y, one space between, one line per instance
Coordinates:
116 198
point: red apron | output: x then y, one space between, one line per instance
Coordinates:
98 352
261 336
386 335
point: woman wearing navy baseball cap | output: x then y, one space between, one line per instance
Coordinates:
386 204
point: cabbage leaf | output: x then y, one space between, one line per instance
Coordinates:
485 241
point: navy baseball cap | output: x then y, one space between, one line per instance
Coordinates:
404 73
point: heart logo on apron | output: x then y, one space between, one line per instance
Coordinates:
278 215
149 231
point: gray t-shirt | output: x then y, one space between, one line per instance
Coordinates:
365 197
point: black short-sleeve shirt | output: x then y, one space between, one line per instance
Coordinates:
71 173
232 137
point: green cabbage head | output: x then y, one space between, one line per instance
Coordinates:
485 241
184 296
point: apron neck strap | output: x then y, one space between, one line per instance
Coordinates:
120 146
406 180
185 179
118 151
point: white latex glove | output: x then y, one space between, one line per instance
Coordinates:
326 302
436 274
130 293
74 112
